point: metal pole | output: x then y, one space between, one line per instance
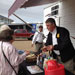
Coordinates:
23 21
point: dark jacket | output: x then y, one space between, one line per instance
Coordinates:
64 44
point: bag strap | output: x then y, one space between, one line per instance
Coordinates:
7 59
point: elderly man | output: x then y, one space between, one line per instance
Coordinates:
59 43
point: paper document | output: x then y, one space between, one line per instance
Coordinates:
34 69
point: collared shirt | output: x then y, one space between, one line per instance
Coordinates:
38 36
13 56
54 40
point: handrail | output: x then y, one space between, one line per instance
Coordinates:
73 37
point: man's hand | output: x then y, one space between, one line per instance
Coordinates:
50 47
32 45
44 48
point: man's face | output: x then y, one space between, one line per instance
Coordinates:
50 26
40 29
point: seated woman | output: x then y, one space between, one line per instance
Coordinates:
11 53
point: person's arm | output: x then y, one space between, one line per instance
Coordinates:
65 41
34 38
47 41
15 59
46 44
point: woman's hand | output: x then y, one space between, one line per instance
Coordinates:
27 52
